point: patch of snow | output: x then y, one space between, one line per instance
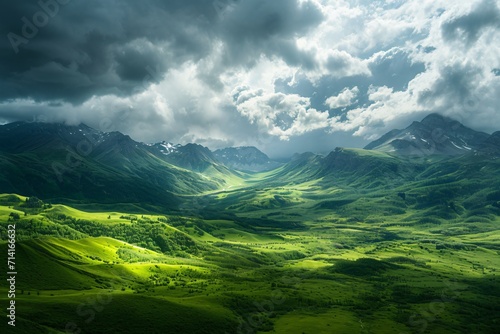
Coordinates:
460 148
167 148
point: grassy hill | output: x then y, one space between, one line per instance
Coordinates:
347 266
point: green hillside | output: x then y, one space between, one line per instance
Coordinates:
318 265
79 164
358 241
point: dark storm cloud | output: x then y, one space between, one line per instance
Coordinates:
84 49
261 26
468 27
118 47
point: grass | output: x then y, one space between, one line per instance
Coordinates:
97 312
101 217
319 253
338 321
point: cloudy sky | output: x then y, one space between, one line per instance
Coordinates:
284 75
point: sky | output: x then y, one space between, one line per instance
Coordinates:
286 76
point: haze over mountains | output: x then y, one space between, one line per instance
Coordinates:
246 158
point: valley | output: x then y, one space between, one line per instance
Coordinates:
358 241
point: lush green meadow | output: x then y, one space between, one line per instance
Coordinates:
260 257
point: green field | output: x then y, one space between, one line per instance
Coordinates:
266 256
361 242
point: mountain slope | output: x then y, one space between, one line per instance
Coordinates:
364 169
80 163
301 168
491 146
193 157
434 135
201 161
166 147
247 158
62 277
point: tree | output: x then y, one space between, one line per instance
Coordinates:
33 202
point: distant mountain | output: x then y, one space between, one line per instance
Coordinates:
81 163
193 157
21 137
302 167
344 166
491 146
434 135
246 158
166 147
365 169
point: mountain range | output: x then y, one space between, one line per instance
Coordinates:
78 163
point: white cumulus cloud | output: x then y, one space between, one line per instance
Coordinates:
279 114
345 99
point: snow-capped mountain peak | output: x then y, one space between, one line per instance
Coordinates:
166 147
435 134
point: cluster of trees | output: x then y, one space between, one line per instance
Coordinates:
33 203
144 233
131 255
33 228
